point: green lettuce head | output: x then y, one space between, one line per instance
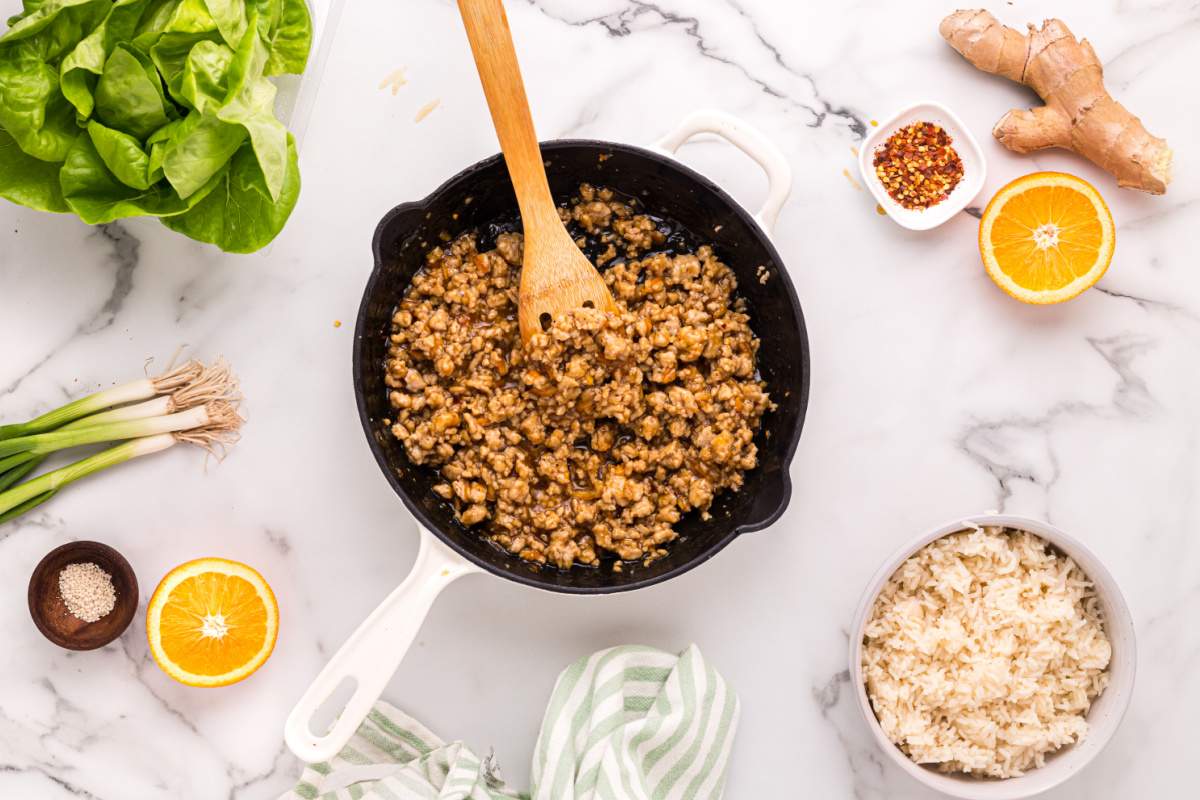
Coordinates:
164 108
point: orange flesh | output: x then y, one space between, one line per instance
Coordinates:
225 601
1056 211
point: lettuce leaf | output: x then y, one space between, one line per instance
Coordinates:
239 215
28 181
124 156
97 196
230 18
129 94
290 39
198 149
55 24
251 104
85 63
204 80
33 110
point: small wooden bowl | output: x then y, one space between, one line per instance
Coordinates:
50 613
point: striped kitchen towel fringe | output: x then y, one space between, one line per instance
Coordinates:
627 723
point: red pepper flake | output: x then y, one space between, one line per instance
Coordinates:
918 165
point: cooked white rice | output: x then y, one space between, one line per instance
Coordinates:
984 652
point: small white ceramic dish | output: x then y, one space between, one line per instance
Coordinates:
1105 714
974 166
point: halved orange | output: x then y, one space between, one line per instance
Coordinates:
212 622
1046 237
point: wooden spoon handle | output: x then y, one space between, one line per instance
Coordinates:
496 60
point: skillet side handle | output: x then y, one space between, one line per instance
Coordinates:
769 504
751 142
373 652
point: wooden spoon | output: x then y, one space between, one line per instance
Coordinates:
555 276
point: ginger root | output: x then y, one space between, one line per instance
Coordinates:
1079 114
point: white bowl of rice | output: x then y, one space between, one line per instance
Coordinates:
993 657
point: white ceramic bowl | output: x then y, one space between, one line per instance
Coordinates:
974 166
1104 715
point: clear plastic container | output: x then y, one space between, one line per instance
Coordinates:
298 93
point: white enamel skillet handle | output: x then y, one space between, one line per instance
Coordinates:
372 654
750 142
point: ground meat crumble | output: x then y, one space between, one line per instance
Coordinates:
608 427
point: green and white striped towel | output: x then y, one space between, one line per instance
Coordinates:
627 723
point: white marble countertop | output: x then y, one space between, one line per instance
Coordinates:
933 395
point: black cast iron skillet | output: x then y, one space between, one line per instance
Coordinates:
700 212
695 211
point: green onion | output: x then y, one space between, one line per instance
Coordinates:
16 473
138 390
26 506
20 499
219 429
45 443
15 467
188 385
143 389
15 460
158 407
195 403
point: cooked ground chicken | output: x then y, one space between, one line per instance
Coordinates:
609 426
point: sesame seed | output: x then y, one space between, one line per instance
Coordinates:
87 590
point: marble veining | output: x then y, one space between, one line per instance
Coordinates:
636 16
933 396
